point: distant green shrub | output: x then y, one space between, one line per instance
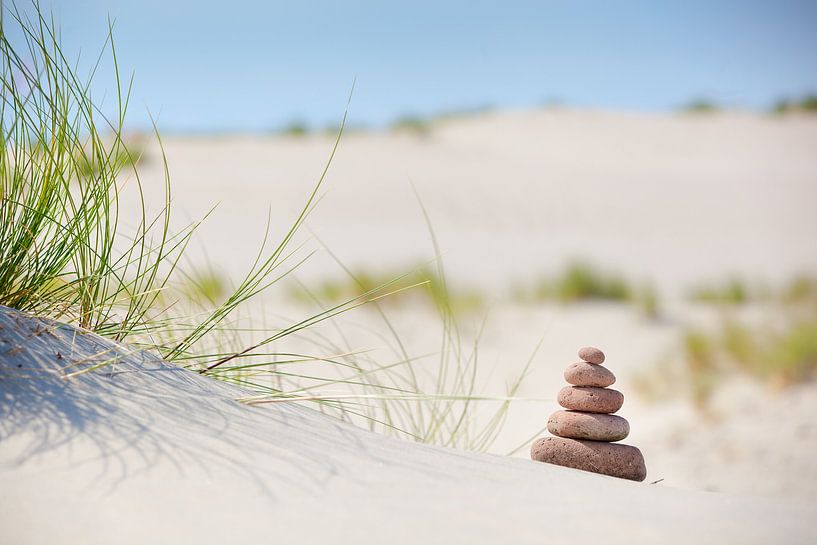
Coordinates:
800 290
421 283
581 281
779 356
792 357
783 357
700 106
578 282
423 125
208 286
807 104
126 156
648 301
699 356
733 292
295 128
739 344
412 124
462 113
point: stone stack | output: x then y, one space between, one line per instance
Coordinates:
586 431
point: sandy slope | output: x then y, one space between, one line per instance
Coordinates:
673 199
141 452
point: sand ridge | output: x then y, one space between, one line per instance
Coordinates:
140 451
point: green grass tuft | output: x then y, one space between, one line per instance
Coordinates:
807 104
732 292
421 283
297 128
411 124
780 351
65 255
700 106
578 282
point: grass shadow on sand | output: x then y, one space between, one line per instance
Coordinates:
138 412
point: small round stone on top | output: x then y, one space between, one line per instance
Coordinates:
591 355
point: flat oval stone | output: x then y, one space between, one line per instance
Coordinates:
614 459
590 399
591 354
591 426
582 373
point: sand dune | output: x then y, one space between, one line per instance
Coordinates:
675 199
143 452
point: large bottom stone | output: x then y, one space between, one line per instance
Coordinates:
616 460
590 426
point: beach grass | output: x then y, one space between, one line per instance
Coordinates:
65 169
429 288
780 350
579 281
700 106
297 128
733 291
413 125
807 104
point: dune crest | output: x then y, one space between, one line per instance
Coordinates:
142 452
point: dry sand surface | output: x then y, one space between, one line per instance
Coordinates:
673 198
151 454
142 452
677 200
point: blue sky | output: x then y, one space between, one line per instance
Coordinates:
254 65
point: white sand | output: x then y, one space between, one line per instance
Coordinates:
153 454
145 453
674 199
671 198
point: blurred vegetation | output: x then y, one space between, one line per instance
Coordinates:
420 284
801 290
295 128
89 163
583 282
779 352
580 282
577 283
423 125
417 125
333 129
807 104
553 103
412 124
700 106
648 301
206 286
734 292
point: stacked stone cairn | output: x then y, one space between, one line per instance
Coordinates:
586 432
